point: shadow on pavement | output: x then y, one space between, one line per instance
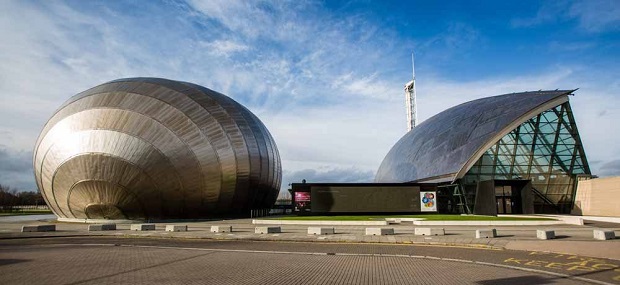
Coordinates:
598 224
12 261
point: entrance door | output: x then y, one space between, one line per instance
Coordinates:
504 205
508 205
505 199
500 205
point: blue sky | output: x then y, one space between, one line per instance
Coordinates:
325 77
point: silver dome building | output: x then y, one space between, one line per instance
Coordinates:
512 153
150 148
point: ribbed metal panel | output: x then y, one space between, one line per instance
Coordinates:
150 148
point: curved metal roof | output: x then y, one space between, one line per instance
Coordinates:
445 146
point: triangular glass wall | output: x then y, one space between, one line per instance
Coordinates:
547 150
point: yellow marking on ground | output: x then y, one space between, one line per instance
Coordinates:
567 262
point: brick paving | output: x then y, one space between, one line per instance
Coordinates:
70 264
41 258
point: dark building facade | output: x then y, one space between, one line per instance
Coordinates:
513 153
357 198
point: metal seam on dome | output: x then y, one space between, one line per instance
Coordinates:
226 132
219 122
268 143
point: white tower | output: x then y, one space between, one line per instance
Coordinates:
410 100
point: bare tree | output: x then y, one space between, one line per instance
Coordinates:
8 198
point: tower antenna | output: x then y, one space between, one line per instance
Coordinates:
412 67
410 99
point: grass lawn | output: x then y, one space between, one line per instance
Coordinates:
431 217
27 212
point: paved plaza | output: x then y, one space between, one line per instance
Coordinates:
106 260
73 255
572 239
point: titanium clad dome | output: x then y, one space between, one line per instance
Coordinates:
150 148
444 147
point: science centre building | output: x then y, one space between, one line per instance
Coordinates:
517 153
155 149
150 148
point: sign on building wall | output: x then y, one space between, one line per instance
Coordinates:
302 201
428 201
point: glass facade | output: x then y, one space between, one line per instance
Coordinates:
547 150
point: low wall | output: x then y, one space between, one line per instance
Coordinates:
487 223
598 197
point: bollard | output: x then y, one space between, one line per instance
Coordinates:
142 227
101 227
176 228
429 232
39 228
487 233
221 229
604 234
545 234
267 230
320 231
379 231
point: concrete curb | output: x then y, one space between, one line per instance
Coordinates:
566 219
418 222
327 223
487 223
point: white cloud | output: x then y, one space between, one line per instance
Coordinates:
555 46
610 168
225 47
328 175
368 86
234 15
592 15
596 15
438 93
548 12
16 169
